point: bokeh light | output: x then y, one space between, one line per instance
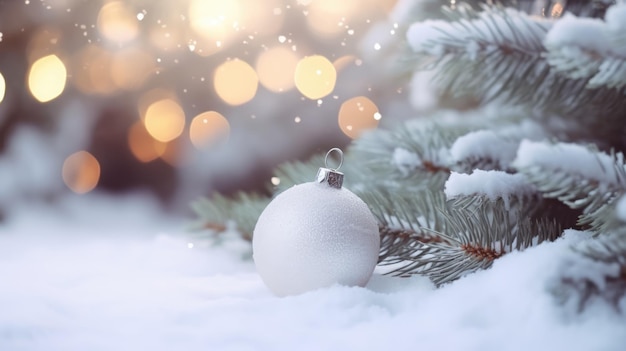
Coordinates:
152 96
3 87
46 78
329 17
235 82
208 128
117 22
92 65
343 62
142 145
81 172
214 20
131 67
262 17
164 120
276 68
315 77
357 115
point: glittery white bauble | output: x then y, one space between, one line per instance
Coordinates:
312 236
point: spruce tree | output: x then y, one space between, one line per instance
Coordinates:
537 150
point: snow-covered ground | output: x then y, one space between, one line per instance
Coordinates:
97 273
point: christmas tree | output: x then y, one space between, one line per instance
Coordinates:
522 143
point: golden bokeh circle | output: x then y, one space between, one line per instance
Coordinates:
235 82
315 77
164 120
276 68
81 172
208 128
358 115
46 78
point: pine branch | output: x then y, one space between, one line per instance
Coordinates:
422 234
298 172
219 213
591 49
499 54
493 148
414 156
580 177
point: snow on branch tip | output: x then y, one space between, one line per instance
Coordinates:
573 159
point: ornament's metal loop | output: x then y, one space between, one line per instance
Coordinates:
340 158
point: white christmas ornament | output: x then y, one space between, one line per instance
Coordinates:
314 235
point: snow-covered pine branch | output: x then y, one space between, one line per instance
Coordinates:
578 176
499 53
421 233
219 213
596 269
494 148
466 190
590 49
413 156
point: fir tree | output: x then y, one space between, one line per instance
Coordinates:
540 152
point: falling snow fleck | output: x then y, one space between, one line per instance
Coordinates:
377 46
190 245
350 31
377 116
320 102
297 119
282 38
275 180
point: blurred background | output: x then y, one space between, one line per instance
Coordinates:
180 99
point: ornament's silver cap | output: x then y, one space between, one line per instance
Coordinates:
331 176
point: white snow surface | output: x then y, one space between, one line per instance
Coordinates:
97 273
